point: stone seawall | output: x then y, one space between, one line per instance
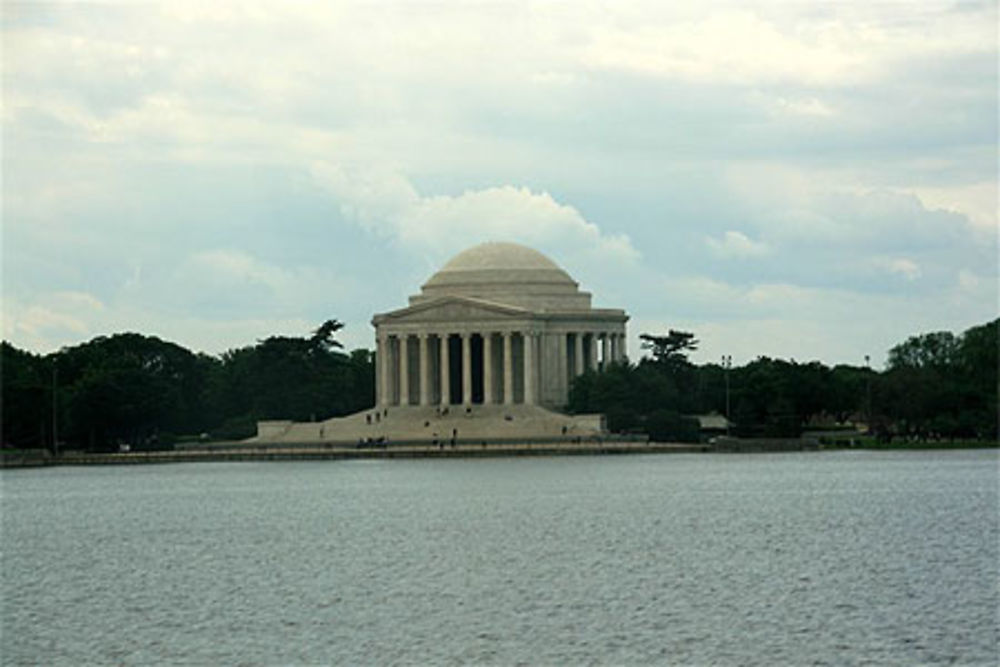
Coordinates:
290 452
755 445
25 458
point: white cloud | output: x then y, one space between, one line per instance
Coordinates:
976 201
49 318
228 283
759 43
808 106
967 280
377 199
387 203
798 208
37 320
703 289
900 266
734 244
731 46
234 267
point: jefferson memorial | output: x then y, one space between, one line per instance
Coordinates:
499 324
487 351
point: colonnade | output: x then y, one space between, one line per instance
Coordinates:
483 367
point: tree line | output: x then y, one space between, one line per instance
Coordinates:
935 386
141 390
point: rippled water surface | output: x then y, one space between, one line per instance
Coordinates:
830 558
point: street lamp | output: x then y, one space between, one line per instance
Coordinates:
55 408
727 363
868 392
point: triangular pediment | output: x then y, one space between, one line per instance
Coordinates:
454 309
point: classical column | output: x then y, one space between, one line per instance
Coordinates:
605 351
381 350
614 347
593 352
488 368
425 369
445 371
508 368
578 353
529 368
621 347
562 359
466 369
392 359
404 370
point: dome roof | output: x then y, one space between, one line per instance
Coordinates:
507 273
496 255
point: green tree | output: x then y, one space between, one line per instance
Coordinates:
847 394
611 392
670 426
323 336
931 350
978 411
766 393
287 377
671 349
939 385
629 394
26 399
132 388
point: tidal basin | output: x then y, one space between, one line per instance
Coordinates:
801 558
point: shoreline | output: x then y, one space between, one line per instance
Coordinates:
335 453
252 453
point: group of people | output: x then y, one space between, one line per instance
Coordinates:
378 414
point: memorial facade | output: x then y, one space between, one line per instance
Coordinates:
499 324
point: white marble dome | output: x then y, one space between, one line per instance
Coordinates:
497 255
506 273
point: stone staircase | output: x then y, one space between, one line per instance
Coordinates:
416 424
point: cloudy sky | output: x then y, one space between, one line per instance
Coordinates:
793 179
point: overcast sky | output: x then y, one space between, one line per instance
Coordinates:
793 179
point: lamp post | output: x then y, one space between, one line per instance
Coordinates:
55 409
868 393
727 363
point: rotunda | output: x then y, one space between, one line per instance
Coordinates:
500 323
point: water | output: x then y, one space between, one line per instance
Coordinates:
830 558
